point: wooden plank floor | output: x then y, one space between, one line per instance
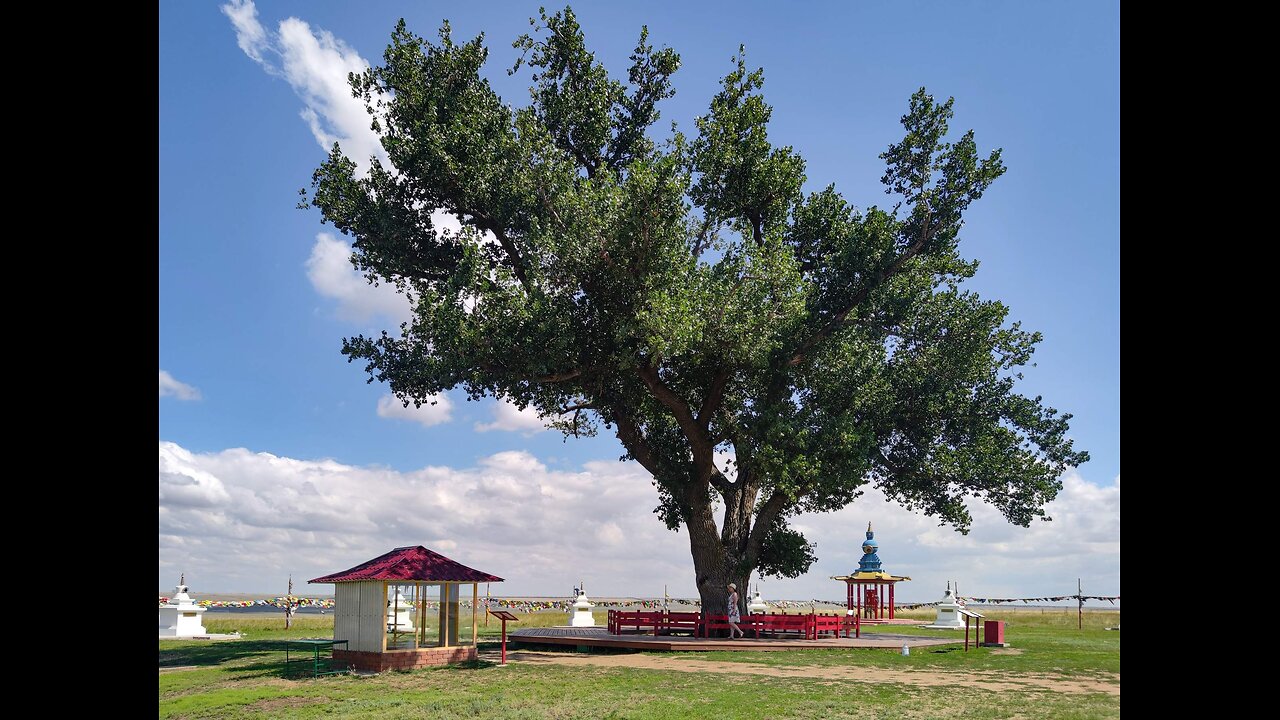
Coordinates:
600 637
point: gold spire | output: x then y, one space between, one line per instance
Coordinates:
868 526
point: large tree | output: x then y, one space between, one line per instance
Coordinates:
756 349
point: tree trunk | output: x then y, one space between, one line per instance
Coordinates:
715 564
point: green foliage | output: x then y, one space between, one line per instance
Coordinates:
687 296
785 553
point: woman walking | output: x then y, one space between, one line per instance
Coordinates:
734 615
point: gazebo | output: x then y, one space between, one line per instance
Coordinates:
870 587
401 610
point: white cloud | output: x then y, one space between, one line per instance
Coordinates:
250 34
332 275
427 415
258 517
172 387
512 419
316 65
995 559
183 484
237 520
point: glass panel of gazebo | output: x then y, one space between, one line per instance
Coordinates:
467 614
400 616
428 615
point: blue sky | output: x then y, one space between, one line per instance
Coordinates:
255 295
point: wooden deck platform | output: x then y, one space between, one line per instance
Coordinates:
600 637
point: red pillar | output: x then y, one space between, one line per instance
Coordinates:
504 640
859 599
890 601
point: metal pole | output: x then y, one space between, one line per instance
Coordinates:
1079 605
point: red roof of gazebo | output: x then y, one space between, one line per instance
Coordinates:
410 563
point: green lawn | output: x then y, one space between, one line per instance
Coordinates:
243 679
1047 642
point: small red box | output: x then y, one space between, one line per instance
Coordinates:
993 632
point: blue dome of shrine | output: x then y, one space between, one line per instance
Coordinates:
870 560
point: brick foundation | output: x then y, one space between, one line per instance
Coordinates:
404 659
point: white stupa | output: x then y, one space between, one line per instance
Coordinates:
399 613
582 616
757 605
948 613
180 617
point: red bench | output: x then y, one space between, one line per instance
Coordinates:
826 625
655 622
681 622
622 619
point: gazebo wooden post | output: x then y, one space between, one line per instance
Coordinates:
444 614
475 621
890 601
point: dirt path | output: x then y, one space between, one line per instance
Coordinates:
931 678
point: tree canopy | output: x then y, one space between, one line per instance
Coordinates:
685 293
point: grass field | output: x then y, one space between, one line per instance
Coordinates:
1052 670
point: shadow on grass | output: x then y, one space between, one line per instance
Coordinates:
218 653
568 649
469 665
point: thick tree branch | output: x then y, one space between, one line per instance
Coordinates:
699 438
769 512
484 222
557 377
631 437
679 408
715 396
583 160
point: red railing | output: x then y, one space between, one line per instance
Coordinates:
809 626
